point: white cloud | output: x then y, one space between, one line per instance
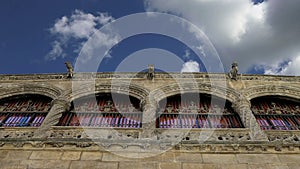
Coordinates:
190 66
291 68
57 50
93 47
227 17
78 26
263 34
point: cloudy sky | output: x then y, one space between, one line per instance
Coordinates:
262 36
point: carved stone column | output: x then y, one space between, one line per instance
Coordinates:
149 108
58 106
243 107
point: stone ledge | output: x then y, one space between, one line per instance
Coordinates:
153 148
135 75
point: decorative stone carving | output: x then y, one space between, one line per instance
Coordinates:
243 107
117 87
70 69
203 136
265 90
236 140
17 134
149 107
234 71
18 89
283 137
58 106
208 88
150 74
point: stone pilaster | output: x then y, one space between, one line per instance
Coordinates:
149 117
58 106
243 107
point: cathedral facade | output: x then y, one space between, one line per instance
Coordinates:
142 120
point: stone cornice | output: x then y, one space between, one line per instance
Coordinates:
158 75
219 140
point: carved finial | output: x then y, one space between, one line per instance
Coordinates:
150 74
234 71
70 69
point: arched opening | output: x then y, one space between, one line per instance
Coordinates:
276 112
26 110
104 110
197 110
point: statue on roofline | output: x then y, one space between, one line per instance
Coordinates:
234 71
70 69
150 74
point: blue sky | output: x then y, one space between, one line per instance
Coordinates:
25 35
39 36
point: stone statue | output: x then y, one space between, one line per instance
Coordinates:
169 108
108 106
70 69
234 71
150 74
192 108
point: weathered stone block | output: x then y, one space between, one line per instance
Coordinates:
38 164
289 158
11 164
293 165
46 155
219 158
278 166
188 157
138 165
91 155
198 166
18 155
13 167
71 155
176 165
164 157
93 165
116 157
258 166
232 166
257 158
3 153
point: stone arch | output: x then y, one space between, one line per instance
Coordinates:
49 91
19 89
118 88
271 90
205 88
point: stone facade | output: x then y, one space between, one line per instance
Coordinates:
50 146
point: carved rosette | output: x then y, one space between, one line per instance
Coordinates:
243 107
58 106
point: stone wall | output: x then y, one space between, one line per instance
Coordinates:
50 146
78 159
